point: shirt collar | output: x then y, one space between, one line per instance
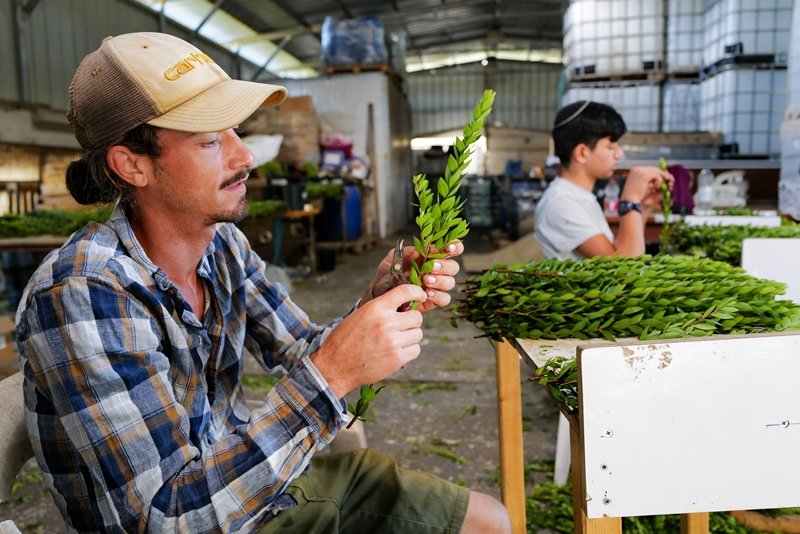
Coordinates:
121 226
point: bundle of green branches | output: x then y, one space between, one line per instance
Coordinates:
438 220
55 222
649 297
723 243
265 208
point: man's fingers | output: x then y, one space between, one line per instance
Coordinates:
404 293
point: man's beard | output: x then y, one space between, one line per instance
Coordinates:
240 212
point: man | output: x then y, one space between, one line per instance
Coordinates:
568 221
132 335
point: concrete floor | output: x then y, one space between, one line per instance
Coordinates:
439 414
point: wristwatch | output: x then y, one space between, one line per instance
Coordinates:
626 205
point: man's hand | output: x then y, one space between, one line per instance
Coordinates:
643 185
437 283
372 342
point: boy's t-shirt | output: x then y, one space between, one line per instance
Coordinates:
565 217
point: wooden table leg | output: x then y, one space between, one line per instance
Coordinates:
584 525
509 405
695 523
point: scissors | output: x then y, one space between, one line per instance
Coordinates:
395 277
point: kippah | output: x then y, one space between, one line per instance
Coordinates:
572 117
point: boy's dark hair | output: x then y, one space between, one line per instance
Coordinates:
584 122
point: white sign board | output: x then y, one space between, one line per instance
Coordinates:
774 259
691 425
732 220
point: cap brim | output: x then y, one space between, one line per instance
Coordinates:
220 107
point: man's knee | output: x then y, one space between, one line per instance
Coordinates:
485 514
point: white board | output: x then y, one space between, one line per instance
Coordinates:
732 220
774 259
691 425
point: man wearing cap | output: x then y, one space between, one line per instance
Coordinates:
132 335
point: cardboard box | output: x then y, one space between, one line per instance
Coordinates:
296 120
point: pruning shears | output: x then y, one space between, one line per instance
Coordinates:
395 277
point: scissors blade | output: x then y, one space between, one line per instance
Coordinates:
397 264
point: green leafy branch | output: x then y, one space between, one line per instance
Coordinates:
666 209
438 220
367 394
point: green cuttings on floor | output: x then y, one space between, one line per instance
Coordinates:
649 297
549 509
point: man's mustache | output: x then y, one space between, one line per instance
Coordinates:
236 178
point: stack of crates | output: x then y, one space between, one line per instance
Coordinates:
480 208
684 65
789 184
743 92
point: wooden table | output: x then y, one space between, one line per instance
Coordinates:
305 219
42 243
683 443
652 228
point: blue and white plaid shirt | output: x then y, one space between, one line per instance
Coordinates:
134 402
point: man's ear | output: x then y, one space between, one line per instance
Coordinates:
128 165
580 153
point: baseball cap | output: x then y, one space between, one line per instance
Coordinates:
158 79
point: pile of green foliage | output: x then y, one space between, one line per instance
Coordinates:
649 297
273 169
324 190
55 222
723 243
265 208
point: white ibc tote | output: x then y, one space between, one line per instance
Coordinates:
789 184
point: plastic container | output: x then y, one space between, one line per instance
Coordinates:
705 193
340 219
789 183
613 36
611 197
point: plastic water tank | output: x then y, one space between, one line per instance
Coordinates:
789 183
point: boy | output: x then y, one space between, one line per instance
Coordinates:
569 222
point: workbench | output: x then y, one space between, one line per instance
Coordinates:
302 221
687 426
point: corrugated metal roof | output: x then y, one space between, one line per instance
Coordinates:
436 32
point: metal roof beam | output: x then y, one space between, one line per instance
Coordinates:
280 47
279 34
217 6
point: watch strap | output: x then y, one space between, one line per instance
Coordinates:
626 206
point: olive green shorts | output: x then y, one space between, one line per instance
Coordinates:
364 491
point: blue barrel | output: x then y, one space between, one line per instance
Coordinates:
336 211
352 213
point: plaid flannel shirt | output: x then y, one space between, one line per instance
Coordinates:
134 403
